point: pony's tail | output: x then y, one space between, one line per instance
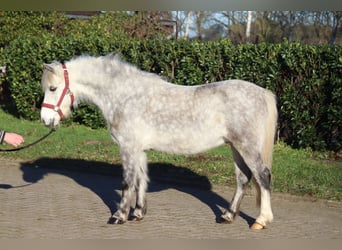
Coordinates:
270 131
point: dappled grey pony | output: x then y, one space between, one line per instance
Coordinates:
144 112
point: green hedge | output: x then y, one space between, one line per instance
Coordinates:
307 79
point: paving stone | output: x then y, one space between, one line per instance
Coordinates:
50 203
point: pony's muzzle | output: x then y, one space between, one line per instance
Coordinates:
50 123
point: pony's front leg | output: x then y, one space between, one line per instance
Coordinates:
128 187
134 179
141 187
121 215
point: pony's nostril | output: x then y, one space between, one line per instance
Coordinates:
47 123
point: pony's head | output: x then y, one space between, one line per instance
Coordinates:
58 99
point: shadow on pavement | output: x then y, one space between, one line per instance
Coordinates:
163 176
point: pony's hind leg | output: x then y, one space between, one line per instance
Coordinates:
263 180
262 177
243 176
132 161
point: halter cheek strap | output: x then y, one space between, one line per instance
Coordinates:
66 91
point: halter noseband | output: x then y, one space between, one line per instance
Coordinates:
66 91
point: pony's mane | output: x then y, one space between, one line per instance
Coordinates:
111 64
114 63
106 58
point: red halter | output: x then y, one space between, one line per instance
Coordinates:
66 91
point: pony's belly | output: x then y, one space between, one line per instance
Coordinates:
188 146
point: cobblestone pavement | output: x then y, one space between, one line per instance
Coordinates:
60 203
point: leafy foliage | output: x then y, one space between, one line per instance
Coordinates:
307 79
13 23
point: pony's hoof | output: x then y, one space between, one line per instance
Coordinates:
227 218
136 218
257 226
114 220
223 220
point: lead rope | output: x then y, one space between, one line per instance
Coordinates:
29 145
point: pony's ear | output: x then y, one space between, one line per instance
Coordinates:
115 56
49 67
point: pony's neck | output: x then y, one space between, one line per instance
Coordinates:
103 81
89 86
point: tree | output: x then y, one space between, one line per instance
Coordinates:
199 17
233 23
291 24
314 27
249 22
148 24
214 32
337 15
187 27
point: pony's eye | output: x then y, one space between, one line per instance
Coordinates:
52 88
